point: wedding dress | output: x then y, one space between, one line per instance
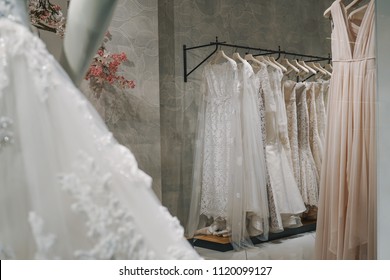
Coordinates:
314 136
292 118
229 175
321 113
67 189
309 174
346 226
263 84
287 197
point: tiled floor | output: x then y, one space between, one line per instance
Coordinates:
297 247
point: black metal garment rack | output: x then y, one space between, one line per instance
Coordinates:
217 44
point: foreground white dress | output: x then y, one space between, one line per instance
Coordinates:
67 188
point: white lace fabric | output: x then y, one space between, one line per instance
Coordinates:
287 196
309 175
229 177
218 138
68 190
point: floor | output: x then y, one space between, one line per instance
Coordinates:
297 247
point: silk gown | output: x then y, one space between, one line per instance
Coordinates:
346 226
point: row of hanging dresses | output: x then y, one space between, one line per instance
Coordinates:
255 165
285 201
229 183
306 114
346 227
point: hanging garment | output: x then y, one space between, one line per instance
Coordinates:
221 98
229 175
67 188
313 89
321 115
288 199
254 186
292 118
309 174
326 94
346 227
261 74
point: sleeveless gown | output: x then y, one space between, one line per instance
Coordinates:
67 189
346 226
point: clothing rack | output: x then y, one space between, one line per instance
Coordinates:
217 44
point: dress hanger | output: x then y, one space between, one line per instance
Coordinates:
250 57
328 10
311 70
221 55
299 66
268 62
273 60
358 14
353 3
329 68
289 67
320 68
315 67
237 58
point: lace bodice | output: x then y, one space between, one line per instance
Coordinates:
14 10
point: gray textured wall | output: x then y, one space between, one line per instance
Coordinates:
133 115
295 25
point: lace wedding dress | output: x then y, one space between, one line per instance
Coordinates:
316 147
229 177
292 119
309 175
287 196
261 75
67 189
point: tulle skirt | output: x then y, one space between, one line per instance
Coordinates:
67 188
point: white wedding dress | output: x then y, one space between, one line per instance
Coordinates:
67 189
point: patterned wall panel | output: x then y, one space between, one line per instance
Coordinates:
133 115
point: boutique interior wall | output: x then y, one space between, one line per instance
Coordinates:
295 25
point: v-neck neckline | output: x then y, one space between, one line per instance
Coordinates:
347 27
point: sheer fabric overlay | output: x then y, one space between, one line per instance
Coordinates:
67 188
232 165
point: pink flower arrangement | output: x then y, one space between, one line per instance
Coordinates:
47 16
104 68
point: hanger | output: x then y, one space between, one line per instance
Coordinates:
353 3
268 62
221 55
288 64
250 57
315 67
329 68
328 10
273 60
237 57
311 70
322 69
358 13
299 66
